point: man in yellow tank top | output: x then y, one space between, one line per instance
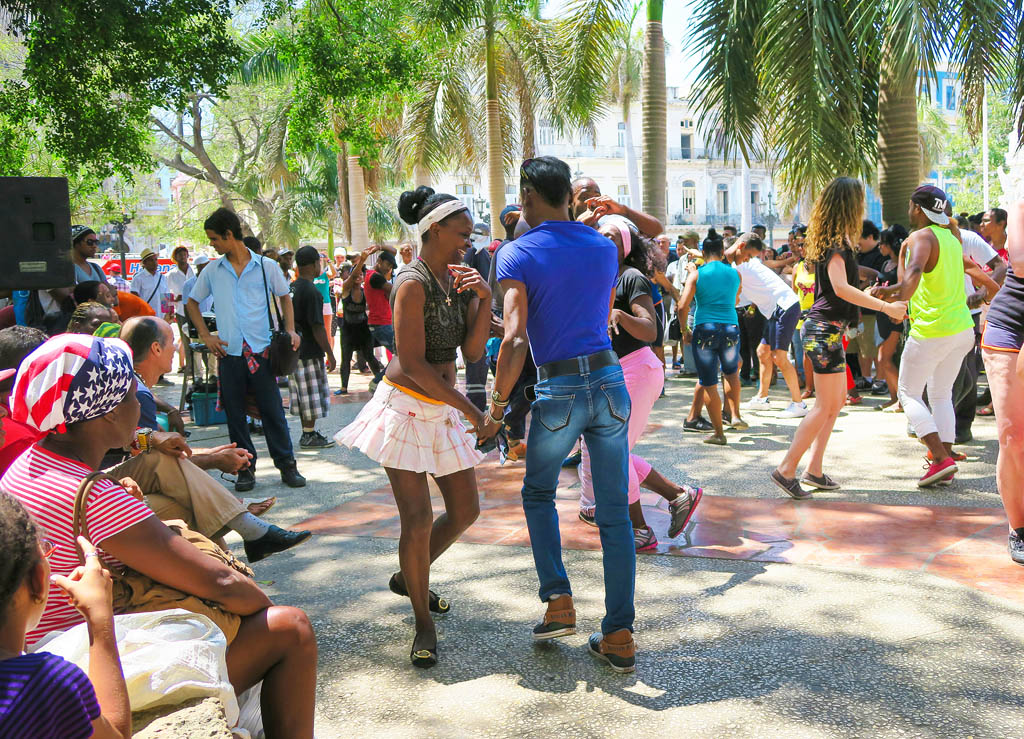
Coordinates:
941 328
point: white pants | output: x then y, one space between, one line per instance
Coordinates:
932 363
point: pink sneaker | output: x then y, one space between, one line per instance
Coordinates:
645 539
937 471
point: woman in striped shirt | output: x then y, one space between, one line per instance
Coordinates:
80 391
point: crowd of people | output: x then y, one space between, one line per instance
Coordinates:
569 312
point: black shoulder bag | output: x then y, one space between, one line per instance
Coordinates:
282 358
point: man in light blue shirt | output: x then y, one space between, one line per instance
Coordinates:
242 284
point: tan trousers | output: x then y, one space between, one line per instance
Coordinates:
176 488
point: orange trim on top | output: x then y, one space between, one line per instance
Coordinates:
413 393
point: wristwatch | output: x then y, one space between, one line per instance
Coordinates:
142 438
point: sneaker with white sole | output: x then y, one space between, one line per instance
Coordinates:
795 410
757 403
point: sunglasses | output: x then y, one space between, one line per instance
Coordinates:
47 547
92 242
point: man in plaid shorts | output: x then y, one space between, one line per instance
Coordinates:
310 393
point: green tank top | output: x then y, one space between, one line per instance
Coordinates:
939 305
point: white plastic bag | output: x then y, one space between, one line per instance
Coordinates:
168 657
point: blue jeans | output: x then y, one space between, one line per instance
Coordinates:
716 345
798 351
596 406
235 382
385 337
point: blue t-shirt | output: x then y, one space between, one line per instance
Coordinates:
717 285
569 270
147 407
43 696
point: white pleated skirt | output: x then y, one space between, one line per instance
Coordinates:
399 431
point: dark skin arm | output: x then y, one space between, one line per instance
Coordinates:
478 313
154 550
662 281
320 335
924 255
514 347
639 323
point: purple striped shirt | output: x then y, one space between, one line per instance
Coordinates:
43 696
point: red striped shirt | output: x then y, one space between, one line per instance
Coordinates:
46 484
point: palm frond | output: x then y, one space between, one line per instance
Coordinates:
979 51
583 39
932 133
263 59
728 80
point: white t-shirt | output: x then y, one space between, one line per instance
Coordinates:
977 250
150 288
175 284
765 289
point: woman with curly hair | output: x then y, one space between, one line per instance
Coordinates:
831 246
633 329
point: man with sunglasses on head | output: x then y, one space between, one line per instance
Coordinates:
559 281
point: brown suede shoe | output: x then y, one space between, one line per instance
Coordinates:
560 620
617 649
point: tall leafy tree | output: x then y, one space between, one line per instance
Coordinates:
499 64
93 71
831 87
624 87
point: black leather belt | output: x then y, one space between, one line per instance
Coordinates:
578 365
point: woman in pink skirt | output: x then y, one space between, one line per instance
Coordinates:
633 329
411 426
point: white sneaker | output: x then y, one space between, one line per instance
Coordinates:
795 410
757 403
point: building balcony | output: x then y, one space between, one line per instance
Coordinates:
582 151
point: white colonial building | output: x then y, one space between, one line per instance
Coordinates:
703 188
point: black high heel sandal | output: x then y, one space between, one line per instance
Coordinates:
423 658
437 603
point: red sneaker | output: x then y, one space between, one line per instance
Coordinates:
937 471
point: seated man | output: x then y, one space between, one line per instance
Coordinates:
88 317
175 486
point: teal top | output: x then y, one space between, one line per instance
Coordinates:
322 284
717 285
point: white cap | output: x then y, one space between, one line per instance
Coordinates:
200 260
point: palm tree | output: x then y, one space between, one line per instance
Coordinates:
831 88
625 83
500 64
655 113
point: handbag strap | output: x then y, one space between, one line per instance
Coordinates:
159 280
266 290
79 526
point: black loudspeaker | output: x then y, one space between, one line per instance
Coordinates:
35 233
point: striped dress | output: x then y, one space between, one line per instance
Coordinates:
46 484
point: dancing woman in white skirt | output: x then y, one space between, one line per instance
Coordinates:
411 426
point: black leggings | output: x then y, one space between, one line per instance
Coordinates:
355 337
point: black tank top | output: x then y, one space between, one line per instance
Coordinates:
1007 307
354 311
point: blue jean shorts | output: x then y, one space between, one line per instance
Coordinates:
715 345
778 330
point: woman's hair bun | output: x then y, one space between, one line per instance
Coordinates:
712 234
410 204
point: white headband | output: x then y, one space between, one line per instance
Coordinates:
440 213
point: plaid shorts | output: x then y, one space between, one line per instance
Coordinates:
310 393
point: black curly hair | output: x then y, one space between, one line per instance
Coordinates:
19 547
644 254
413 205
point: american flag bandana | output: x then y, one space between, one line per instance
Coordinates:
71 378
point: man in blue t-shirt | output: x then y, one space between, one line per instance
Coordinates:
559 281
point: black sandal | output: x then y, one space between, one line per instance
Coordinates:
437 603
422 658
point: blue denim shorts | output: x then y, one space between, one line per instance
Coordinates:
715 345
778 330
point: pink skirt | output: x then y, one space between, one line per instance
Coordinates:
398 431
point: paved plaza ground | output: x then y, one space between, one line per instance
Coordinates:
875 610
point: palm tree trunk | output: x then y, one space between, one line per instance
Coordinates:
495 150
655 111
357 205
420 174
899 146
528 124
632 173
